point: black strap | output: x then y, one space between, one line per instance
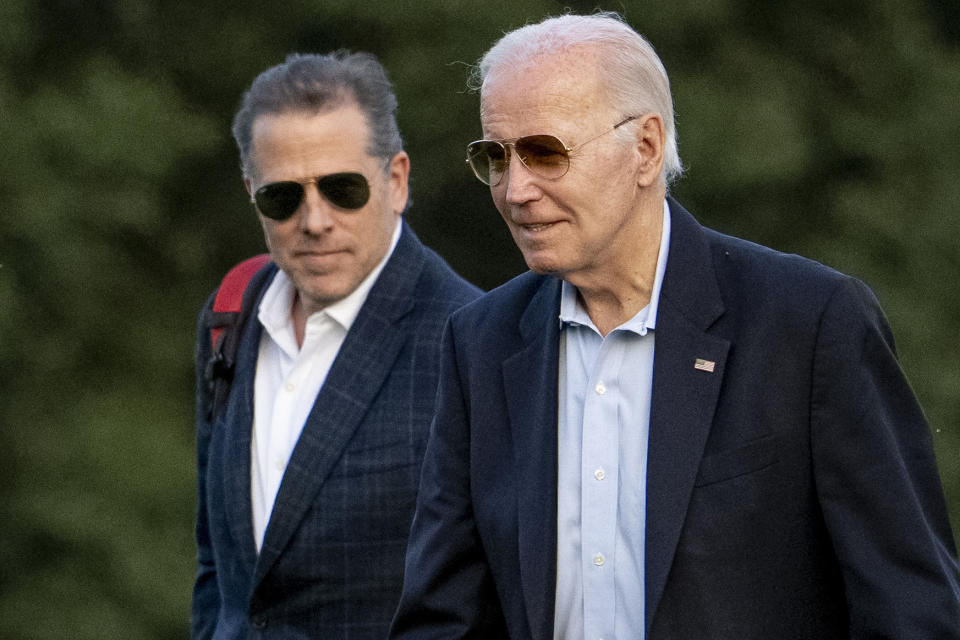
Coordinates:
226 330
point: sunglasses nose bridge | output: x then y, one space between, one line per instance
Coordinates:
316 208
511 148
547 156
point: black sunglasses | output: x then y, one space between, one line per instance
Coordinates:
280 200
545 155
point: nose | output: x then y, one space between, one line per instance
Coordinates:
315 214
519 181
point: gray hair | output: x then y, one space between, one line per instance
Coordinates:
315 83
631 71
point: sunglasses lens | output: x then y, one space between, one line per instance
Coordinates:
488 159
279 200
345 190
544 155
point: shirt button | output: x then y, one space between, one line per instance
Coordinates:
278 465
599 474
599 560
600 388
289 387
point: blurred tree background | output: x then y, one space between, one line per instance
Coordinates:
822 127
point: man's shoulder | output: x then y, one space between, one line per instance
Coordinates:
759 267
741 256
751 279
760 284
417 273
505 305
440 278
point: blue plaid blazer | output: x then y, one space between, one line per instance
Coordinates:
331 564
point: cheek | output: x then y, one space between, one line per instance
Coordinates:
371 231
370 222
499 196
276 234
267 232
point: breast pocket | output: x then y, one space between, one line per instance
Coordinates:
741 461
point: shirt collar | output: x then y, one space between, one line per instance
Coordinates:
275 307
572 312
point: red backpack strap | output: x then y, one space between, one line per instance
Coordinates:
226 319
230 295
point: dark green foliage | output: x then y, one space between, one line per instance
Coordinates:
827 128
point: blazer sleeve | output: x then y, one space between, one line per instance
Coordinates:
448 590
206 594
877 480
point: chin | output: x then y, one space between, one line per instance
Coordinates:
541 265
322 292
539 268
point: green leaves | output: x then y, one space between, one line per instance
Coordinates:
823 128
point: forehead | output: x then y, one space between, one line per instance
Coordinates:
301 145
552 93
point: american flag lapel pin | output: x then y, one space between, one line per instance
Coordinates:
704 365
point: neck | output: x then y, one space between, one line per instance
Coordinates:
617 291
299 315
610 307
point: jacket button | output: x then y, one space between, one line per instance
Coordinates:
258 622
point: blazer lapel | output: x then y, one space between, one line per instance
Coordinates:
237 424
361 366
687 375
530 379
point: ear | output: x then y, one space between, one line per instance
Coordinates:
399 181
651 143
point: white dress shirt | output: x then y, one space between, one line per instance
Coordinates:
605 389
289 377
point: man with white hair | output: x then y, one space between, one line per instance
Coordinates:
660 431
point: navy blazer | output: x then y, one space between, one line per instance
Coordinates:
331 564
791 491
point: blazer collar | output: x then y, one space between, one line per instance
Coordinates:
690 282
687 375
530 384
237 424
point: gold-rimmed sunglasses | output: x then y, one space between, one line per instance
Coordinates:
545 155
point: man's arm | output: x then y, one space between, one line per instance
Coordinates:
206 594
448 591
877 479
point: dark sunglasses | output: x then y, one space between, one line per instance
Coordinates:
545 155
280 200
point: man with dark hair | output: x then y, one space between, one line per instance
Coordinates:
661 431
308 471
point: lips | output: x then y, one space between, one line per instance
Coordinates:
318 253
321 261
538 226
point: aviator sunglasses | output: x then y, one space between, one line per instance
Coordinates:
545 155
280 200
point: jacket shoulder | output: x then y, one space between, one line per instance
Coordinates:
440 281
750 271
502 307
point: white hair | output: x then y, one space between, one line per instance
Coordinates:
633 74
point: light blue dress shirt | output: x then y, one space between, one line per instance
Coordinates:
605 385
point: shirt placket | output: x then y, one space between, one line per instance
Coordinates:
599 491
